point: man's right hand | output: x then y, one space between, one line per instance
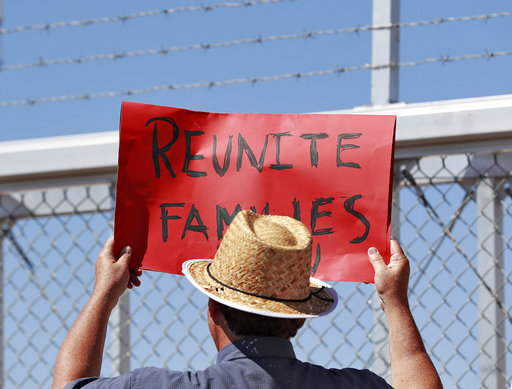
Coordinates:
113 275
82 351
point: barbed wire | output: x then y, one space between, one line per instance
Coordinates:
250 80
124 18
206 46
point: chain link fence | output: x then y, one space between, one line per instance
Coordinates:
452 214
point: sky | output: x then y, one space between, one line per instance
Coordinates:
226 23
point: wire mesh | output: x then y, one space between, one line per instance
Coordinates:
455 215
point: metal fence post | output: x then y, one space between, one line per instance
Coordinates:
384 90
120 322
120 336
381 364
385 52
1 308
491 287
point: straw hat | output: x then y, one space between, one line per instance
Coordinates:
263 266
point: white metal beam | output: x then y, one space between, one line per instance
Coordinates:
468 125
55 161
451 126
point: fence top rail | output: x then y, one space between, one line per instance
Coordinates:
451 126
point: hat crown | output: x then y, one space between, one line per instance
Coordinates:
271 233
265 255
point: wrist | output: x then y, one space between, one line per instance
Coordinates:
391 306
102 300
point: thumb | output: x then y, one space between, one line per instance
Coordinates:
124 256
376 259
397 253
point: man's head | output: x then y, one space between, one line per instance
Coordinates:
243 324
228 324
263 266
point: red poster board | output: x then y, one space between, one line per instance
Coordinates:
183 175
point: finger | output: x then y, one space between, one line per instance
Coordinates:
136 272
108 247
134 279
376 259
395 248
105 255
396 251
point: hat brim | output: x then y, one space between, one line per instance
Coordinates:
323 300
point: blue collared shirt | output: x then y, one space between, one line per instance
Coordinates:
256 363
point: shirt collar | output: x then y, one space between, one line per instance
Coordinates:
260 347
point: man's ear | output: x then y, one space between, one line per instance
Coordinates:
214 311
